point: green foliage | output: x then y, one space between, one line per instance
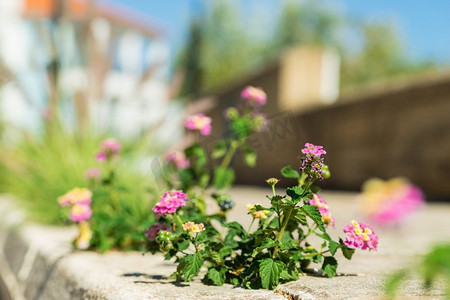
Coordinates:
274 252
435 265
41 168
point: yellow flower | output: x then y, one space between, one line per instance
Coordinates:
260 214
358 231
192 227
355 224
250 207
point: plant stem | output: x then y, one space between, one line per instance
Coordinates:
318 253
251 224
281 232
178 220
227 159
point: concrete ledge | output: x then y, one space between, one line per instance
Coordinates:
37 262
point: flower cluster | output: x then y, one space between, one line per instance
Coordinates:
192 227
79 196
178 159
387 203
153 231
312 162
170 202
360 236
322 205
92 174
109 149
255 97
199 122
259 214
80 201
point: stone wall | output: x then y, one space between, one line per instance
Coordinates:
404 131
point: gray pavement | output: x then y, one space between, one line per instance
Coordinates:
41 264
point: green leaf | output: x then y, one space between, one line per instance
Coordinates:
192 264
269 270
348 252
220 149
216 276
266 244
225 251
314 213
300 216
295 193
329 266
288 172
223 177
183 245
250 158
393 282
237 227
333 246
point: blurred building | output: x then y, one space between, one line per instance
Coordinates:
102 65
397 129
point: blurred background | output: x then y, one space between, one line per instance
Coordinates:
368 81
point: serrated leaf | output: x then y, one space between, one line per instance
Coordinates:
300 216
315 215
223 177
333 247
346 251
216 276
295 193
266 244
329 266
192 264
270 270
288 172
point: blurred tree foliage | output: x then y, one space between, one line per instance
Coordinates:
221 48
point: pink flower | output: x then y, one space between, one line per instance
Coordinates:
322 205
312 162
79 213
313 150
92 174
361 236
153 231
199 122
390 202
179 159
109 149
254 96
79 196
170 202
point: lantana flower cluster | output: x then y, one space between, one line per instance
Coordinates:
361 236
259 214
80 212
179 159
170 202
199 122
390 202
312 161
109 150
192 227
80 201
253 96
324 210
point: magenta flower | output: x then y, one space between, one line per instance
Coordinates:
153 231
322 205
109 149
313 151
390 202
312 162
79 213
92 174
199 122
178 159
255 97
361 236
170 202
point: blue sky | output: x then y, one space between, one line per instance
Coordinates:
424 26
